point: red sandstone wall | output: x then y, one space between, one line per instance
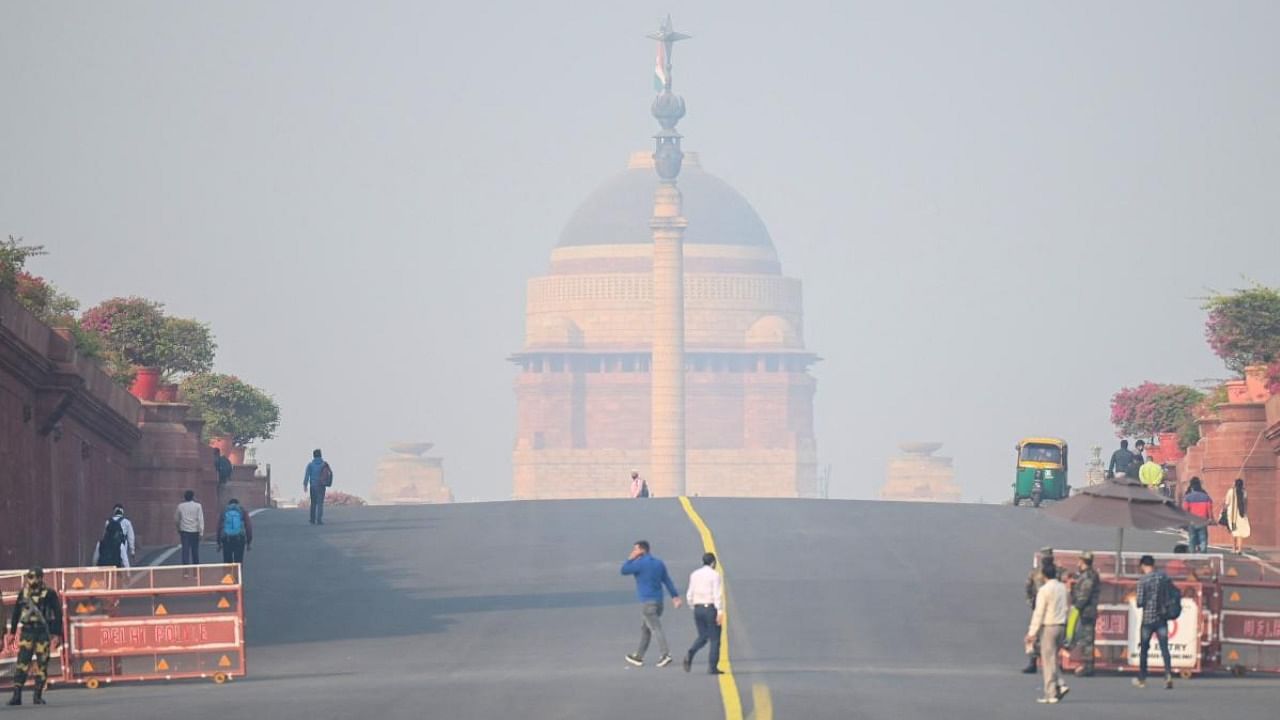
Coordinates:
1235 444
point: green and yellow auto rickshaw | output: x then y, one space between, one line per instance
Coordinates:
1042 470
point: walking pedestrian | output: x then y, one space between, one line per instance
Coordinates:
639 488
706 597
1122 461
225 470
39 613
1151 589
190 521
1085 591
1198 503
1048 621
118 544
235 532
1235 513
1035 579
317 479
651 577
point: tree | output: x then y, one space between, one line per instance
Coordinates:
230 406
1152 408
1243 327
136 333
186 348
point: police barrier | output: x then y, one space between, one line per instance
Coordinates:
1230 616
153 623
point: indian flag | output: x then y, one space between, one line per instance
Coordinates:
660 68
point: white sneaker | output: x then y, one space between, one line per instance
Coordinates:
1047 701
664 661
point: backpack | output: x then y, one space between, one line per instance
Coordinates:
109 547
644 490
1170 600
233 522
326 476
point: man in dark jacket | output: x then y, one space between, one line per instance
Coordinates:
1123 462
1150 588
235 532
1198 503
1084 598
316 480
39 613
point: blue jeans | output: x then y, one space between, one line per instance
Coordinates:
1198 538
1161 631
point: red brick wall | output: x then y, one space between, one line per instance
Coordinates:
1235 445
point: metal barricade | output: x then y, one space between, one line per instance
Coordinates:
133 624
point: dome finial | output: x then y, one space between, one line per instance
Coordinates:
668 108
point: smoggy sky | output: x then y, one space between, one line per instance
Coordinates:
1001 211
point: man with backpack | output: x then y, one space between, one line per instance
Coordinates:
118 544
223 467
235 532
317 479
1159 601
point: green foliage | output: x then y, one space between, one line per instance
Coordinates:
230 406
14 255
1243 327
185 347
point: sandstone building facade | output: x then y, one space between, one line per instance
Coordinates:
583 388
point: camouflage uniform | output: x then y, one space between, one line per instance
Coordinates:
1035 579
39 613
1084 598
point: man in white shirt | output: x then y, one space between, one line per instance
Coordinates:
190 521
1048 620
706 597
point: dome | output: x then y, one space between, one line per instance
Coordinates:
772 331
618 212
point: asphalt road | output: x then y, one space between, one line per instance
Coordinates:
838 609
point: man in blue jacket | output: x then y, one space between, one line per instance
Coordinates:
651 577
317 480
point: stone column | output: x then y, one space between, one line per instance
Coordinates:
667 435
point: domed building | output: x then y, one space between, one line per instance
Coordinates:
583 390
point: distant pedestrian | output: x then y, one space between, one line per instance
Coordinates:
706 597
235 532
317 479
118 544
1035 579
1235 513
651 577
1151 474
225 470
1085 591
1123 462
1197 502
190 521
1152 589
39 612
639 488
1048 623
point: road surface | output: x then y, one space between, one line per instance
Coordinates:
838 609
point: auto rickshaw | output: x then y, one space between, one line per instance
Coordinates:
1041 470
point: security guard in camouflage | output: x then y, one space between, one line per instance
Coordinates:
1085 589
40 615
1034 580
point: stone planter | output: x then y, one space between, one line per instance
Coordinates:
236 456
145 383
222 443
1237 391
1255 382
167 393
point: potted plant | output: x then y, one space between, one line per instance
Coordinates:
232 407
132 328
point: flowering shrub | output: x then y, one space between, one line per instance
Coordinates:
137 333
1152 408
336 497
1243 328
232 407
1273 378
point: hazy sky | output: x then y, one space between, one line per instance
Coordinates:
1001 212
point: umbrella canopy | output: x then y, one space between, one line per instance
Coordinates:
1123 503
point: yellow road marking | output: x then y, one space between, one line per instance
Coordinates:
763 704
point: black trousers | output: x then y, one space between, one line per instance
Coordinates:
190 548
704 616
317 504
233 549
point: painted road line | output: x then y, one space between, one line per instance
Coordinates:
763 709
164 556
